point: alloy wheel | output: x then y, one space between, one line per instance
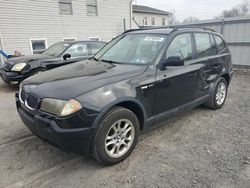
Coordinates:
119 138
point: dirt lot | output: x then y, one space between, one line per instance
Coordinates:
198 148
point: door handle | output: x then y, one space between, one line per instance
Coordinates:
192 74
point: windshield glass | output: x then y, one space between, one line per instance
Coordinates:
132 49
56 49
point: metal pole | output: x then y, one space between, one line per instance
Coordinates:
2 48
222 26
124 24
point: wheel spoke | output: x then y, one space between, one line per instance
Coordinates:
110 142
119 138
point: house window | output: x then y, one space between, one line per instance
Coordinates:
65 7
163 21
153 21
145 21
94 38
92 8
38 45
69 39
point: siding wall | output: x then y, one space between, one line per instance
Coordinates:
236 32
22 20
140 16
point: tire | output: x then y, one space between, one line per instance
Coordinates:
102 150
215 103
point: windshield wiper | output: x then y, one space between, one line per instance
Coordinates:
109 61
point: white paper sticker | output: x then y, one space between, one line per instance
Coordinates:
154 39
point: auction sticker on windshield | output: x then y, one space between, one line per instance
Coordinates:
154 39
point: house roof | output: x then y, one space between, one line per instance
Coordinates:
145 9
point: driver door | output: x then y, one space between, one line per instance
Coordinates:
177 85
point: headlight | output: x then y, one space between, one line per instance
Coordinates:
59 107
18 67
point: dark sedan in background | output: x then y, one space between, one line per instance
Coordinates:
17 69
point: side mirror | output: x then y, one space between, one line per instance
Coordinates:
174 61
66 56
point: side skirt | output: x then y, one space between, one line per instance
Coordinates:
175 111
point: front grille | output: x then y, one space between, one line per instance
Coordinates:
29 100
22 95
7 66
32 101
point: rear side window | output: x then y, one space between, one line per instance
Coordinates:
181 46
220 43
204 45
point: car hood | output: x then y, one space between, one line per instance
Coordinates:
27 58
73 80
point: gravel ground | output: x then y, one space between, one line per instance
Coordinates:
198 148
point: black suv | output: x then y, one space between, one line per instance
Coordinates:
99 106
16 69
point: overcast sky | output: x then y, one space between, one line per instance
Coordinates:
203 9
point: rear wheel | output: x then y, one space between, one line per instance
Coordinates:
116 136
219 94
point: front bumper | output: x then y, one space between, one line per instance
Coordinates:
12 76
75 140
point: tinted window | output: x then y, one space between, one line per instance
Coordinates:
78 50
219 43
203 45
181 46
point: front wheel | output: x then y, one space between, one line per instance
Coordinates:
219 94
116 136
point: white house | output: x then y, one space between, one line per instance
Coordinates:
147 16
30 26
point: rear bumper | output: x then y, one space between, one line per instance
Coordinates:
75 140
12 76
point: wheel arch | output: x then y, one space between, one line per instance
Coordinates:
130 103
226 77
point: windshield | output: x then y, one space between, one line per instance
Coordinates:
132 49
56 49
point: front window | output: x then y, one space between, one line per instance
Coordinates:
56 49
79 50
181 46
132 49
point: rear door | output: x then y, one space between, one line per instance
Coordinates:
177 86
206 54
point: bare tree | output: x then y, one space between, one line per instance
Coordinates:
240 10
190 19
172 18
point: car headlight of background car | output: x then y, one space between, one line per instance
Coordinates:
18 67
60 108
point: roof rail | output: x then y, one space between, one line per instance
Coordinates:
174 28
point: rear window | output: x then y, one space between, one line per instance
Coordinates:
219 42
204 45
